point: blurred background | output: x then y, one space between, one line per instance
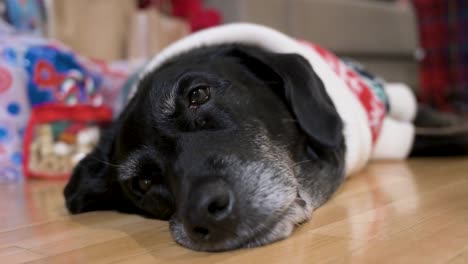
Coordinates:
64 64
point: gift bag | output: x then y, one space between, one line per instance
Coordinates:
58 136
53 104
71 98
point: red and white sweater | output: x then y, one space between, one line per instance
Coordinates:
370 132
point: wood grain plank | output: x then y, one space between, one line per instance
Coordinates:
392 212
13 255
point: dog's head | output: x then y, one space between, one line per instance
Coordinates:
234 144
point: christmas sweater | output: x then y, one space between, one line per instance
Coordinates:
377 116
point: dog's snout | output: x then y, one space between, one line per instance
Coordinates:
210 215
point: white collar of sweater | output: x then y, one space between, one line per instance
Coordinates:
356 130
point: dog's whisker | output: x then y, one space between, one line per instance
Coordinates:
301 162
106 163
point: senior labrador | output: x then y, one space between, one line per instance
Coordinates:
237 134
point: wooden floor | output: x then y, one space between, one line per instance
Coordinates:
414 212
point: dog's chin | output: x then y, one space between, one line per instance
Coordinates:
263 234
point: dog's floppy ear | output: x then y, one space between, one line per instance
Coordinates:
91 186
302 89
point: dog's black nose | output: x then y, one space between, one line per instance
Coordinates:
210 213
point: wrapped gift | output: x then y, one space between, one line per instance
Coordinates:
56 100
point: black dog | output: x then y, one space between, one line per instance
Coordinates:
233 144
219 142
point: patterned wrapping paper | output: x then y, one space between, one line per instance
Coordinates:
27 16
36 71
13 118
443 27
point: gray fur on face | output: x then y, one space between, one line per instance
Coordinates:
168 104
276 194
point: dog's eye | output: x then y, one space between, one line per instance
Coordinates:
144 184
199 95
